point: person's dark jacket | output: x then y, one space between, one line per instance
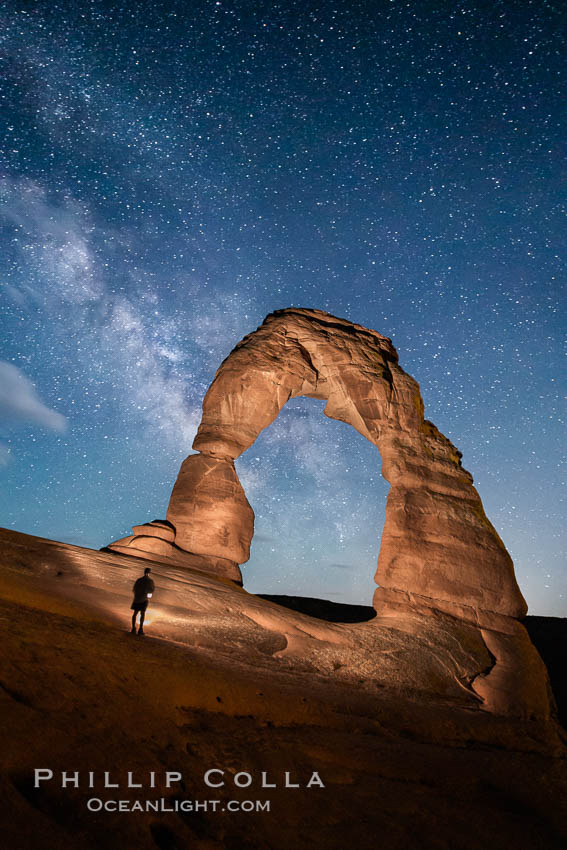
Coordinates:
142 587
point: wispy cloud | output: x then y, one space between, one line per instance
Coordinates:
19 401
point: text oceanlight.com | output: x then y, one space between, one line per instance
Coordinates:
95 804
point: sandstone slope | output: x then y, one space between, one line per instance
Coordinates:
232 681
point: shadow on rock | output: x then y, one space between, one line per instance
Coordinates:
549 636
323 609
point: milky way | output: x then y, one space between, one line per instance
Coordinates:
172 172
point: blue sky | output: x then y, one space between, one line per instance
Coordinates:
171 173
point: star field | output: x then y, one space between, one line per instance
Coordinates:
172 172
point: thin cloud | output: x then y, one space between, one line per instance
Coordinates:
19 401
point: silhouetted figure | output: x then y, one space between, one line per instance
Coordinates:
143 589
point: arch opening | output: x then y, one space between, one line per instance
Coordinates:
319 501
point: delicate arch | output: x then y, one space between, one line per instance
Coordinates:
438 549
439 553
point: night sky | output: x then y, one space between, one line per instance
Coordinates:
173 172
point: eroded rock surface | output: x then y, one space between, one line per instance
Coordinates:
154 541
209 509
383 710
439 553
437 541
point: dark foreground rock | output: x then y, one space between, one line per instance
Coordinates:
549 636
206 689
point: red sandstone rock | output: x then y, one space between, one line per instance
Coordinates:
209 510
153 541
157 528
418 654
440 556
437 541
388 711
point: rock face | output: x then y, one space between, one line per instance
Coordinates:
437 542
209 510
382 710
439 552
154 541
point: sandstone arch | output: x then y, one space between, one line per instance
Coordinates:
437 542
438 548
439 556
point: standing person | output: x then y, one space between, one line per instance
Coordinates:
143 589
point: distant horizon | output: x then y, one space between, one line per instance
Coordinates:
262 593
